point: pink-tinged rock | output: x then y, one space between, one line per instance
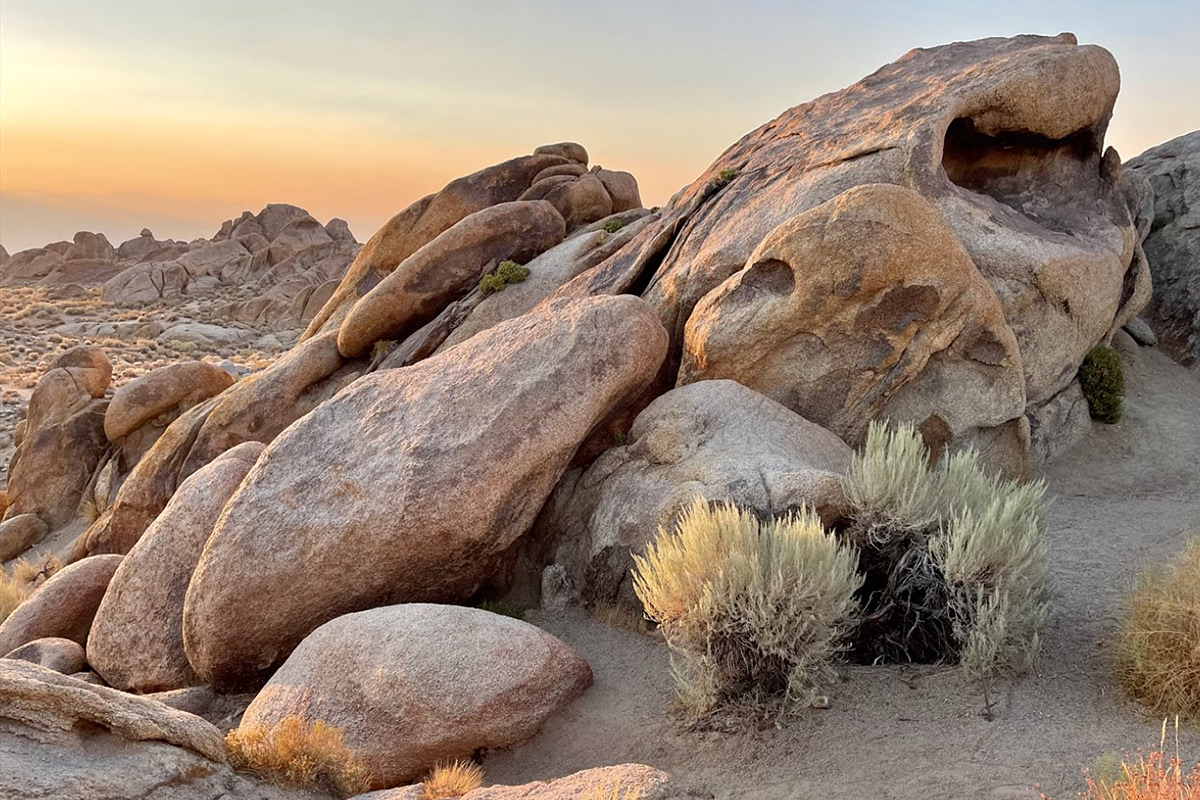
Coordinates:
415 684
136 640
413 481
63 606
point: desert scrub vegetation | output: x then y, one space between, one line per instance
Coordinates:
507 272
1103 384
451 779
755 610
613 225
1153 776
1158 651
953 558
293 753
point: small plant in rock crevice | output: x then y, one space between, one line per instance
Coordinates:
505 274
1103 382
614 225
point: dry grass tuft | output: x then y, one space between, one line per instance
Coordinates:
452 779
12 594
32 574
293 753
1159 646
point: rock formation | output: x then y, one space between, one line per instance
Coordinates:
1166 202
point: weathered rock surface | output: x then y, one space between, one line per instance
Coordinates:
256 408
64 656
19 533
867 307
1171 240
63 606
63 738
1003 136
547 272
716 439
377 476
136 639
623 780
64 438
421 222
414 684
447 268
168 390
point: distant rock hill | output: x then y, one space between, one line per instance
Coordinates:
271 270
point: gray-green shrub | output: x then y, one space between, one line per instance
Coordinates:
954 558
756 611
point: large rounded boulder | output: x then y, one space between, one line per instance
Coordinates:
409 484
136 640
415 684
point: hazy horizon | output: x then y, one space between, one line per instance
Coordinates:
138 115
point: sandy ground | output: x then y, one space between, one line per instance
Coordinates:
1125 495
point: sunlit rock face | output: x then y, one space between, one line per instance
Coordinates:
1003 138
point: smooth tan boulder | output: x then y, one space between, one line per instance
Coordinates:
623 780
421 222
63 606
256 408
173 388
415 684
426 474
19 533
622 187
447 268
581 201
64 656
868 307
572 151
136 639
715 439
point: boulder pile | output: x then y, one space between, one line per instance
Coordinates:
519 378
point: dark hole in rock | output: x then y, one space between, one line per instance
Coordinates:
1048 180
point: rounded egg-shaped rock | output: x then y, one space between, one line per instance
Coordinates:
410 483
415 684
63 606
173 386
136 641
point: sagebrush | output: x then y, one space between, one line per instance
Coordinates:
1159 645
756 610
953 556
294 753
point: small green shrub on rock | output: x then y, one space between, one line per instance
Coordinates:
953 558
756 610
507 272
1103 384
614 225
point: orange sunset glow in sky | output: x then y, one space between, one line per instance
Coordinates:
120 115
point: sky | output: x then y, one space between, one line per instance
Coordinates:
125 114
